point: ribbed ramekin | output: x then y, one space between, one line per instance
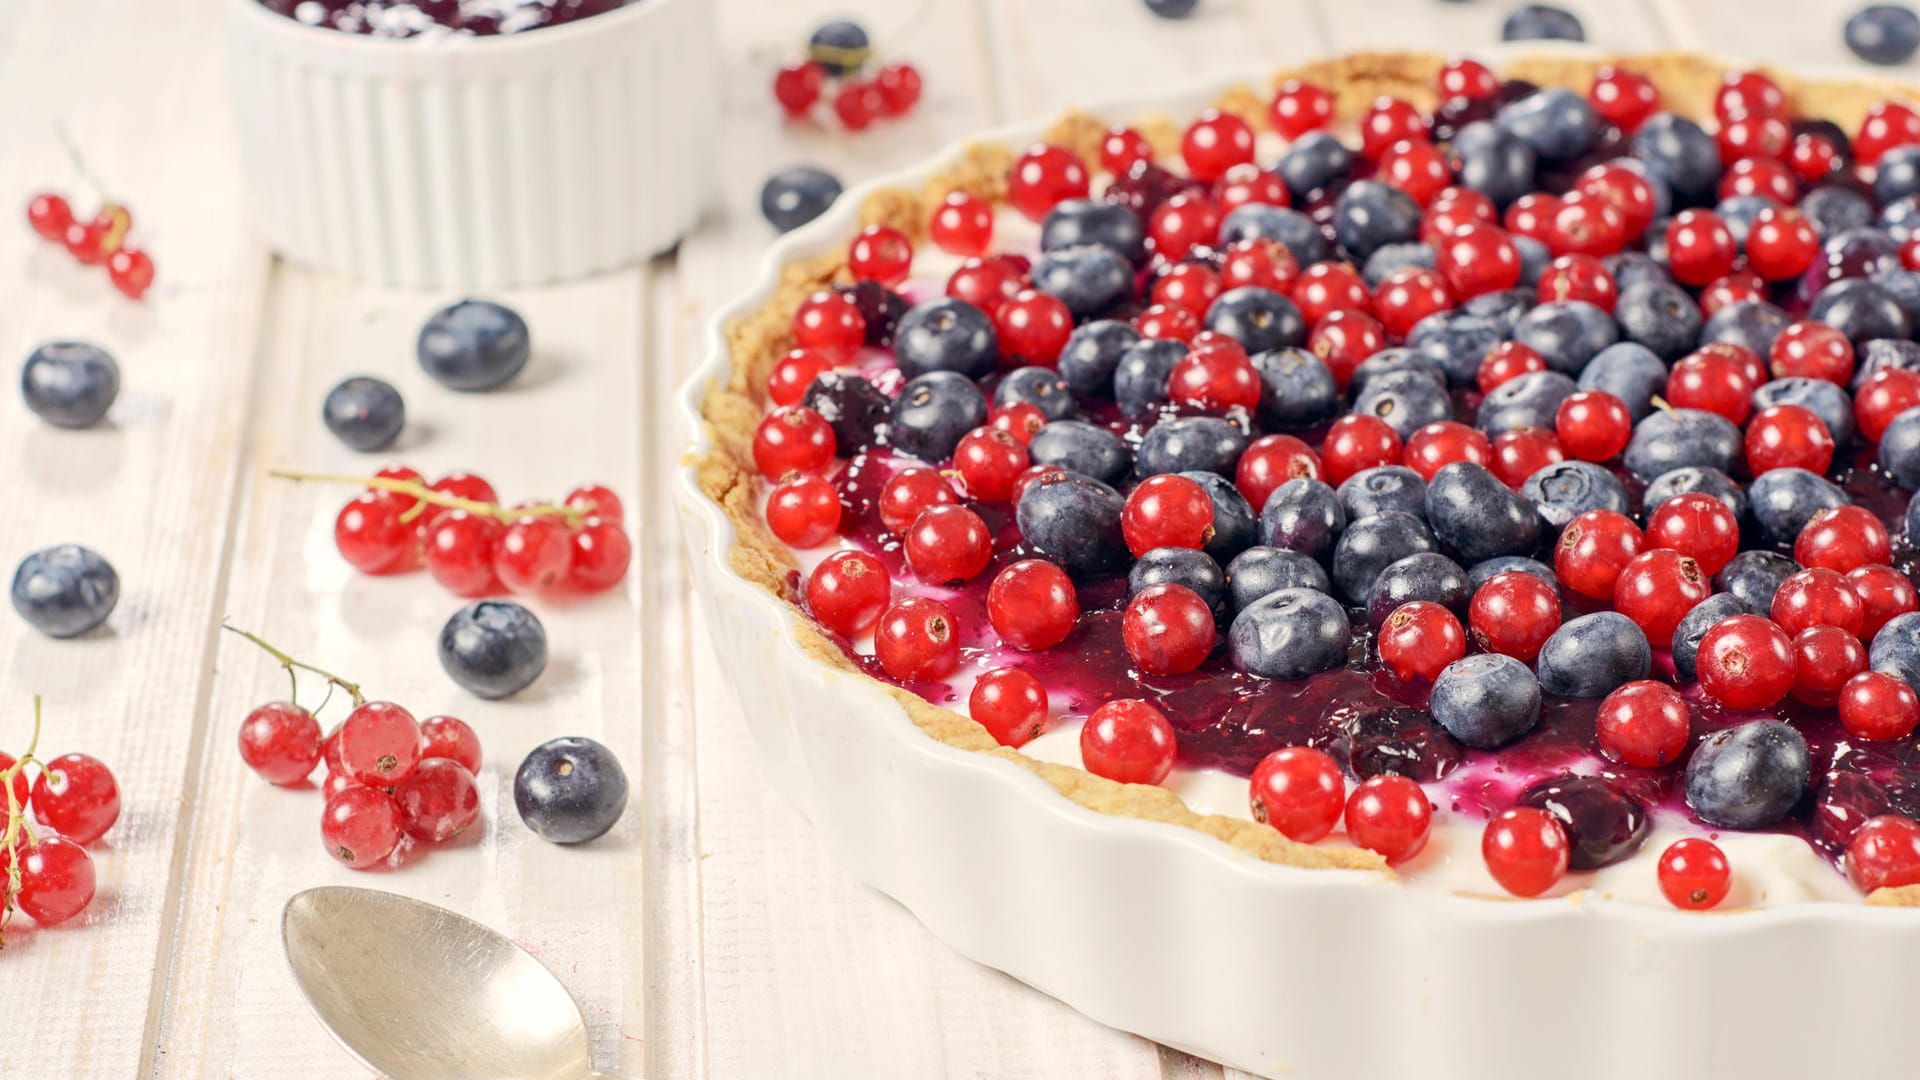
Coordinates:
1281 971
476 162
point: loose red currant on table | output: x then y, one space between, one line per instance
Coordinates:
847 592
1824 658
1645 724
369 534
534 553
1032 605
1343 338
1788 437
990 460
1514 614
1010 703
1593 425
1442 443
831 322
1884 395
1033 327
1698 526
1271 461
880 253
1167 629
1699 247
947 544
899 86
1167 510
1215 378
1623 98
360 827
792 438
281 742
1877 706
1389 815
1884 853
1812 350
1420 639
1121 148
1594 547
1387 121
1042 177
131 272
1128 741
1326 287
87 242
1656 589
1505 362
1214 143
1884 592
1523 451
1248 184
797 87
56 880
1526 850
962 225
1579 277
1843 538
1816 598
1355 442
917 639
1781 244
858 104
804 511
460 550
1412 293
1181 223
450 738
438 802
1694 874
76 796
1746 662
986 283
1299 107
1416 168
49 214
1299 791
1887 124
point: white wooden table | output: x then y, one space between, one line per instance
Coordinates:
708 935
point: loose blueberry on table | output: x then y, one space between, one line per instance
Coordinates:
1495 531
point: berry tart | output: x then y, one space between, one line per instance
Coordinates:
1198 558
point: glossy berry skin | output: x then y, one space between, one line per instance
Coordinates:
1167 629
1694 875
1247 184
1884 395
910 492
1884 593
379 744
1168 510
1526 851
493 648
948 544
847 592
1506 362
1788 437
1128 741
1699 246
1843 538
1214 143
1594 547
360 827
1656 589
917 639
1032 327
1521 452
64 591
858 104
451 738
1623 98
1042 177
804 511
438 802
1443 443
1746 662
1644 724
1214 380
570 790
1816 598
76 796
990 461
1010 703
1514 614
601 551
1299 791
1355 442
1824 659
1812 350
1270 461
1781 244
459 552
1477 259
899 86
56 880
1593 425
962 225
1887 124
1877 706
1032 604
369 534
1697 525
1579 277
829 321
792 439
49 215
281 742
797 87
1389 815
1420 639
473 345
533 553
1327 287
880 253
1409 295
1299 107
1121 148
1884 853
1386 122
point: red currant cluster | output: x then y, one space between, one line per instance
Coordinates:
893 91
101 240
458 530
391 782
49 875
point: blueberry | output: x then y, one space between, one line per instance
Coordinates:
1260 571
1530 400
1383 489
1303 515
880 307
853 406
1427 576
1661 317
1258 221
1486 700
1566 489
1369 215
1694 626
570 790
1897 175
1699 478
473 345
1542 22
1900 218
1084 448
1391 257
1675 438
1456 342
1380 740
1753 577
1535 259
840 46
1172 9
1884 34
932 413
1296 388
1260 319
1749 777
1494 162
65 591
1566 333
1752 323
1477 516
1089 279
1832 209
792 197
1505 307
1391 359
1783 500
1680 152
1181 566
1092 354
1040 387
1073 222
1314 161
944 334
1896 648
1912 519
1368 546
1481 573
1630 268
364 412
1861 309
1190 444
1738 212
1140 379
1235 525
493 648
1818 396
1406 400
1075 521
1593 655
1629 371
1556 122
1900 449
1883 354
1289 634
70 384
1604 824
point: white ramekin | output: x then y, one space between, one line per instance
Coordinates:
476 162
1306 974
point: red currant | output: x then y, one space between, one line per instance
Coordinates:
1167 629
1699 247
1623 98
792 438
450 738
49 214
1698 526
1593 425
880 253
1010 703
1578 277
1505 362
1760 176
369 533
1122 148
1299 107
1816 598
1442 443
1526 850
986 283
1033 327
76 796
1032 605
911 491
1532 215
847 592
1644 724
1824 658
830 321
460 550
1781 244
1341 339
1594 547
1738 287
962 225
360 827
1163 323
917 639
1813 350
1412 293
1843 538
948 544
1753 137
1021 421
1788 437
1327 287
1215 379
899 86
1656 589
1587 225
1268 264
1416 168
1044 176
1192 287
56 880
1748 93
1514 614
281 742
1214 143
1182 223
1883 854
1626 190
797 87
804 511
1710 383
438 802
1299 791
1812 157
990 461
1128 741
1420 639
1270 461
1520 452
1884 592
1694 874
858 104
1884 395
534 553
1746 662
1355 442
1168 510
1389 815
1247 184
131 272
1453 209
1887 124
1387 121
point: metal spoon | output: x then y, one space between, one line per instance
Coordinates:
416 992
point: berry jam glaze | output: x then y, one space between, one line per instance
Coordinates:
1368 721
438 18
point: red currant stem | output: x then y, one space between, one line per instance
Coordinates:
426 495
289 663
79 161
1661 404
16 823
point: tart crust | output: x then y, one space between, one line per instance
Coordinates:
732 410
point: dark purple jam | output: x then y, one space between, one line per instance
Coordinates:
425 18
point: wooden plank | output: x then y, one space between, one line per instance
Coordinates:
150 489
